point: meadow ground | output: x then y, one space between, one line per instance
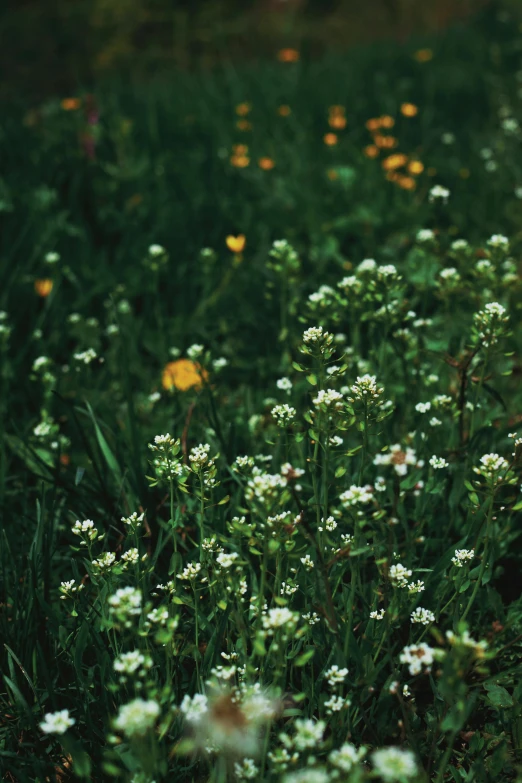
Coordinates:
260 407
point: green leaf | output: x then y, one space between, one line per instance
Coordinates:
312 379
109 457
498 696
303 659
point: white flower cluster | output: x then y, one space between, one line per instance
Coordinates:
491 465
86 530
284 414
491 323
67 589
134 521
498 242
346 757
57 722
355 496
316 337
280 617
399 575
378 614
137 717
199 457
465 640
400 459
365 389
125 603
422 616
328 399
438 463
190 572
335 676
462 556
438 193
134 662
425 235
394 764
418 658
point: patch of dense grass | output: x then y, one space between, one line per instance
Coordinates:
339 487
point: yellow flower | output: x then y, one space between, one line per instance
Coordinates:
373 124
240 161
236 244
423 55
407 183
371 151
415 167
70 104
409 109
387 121
183 374
385 142
394 161
240 149
266 164
288 55
243 109
43 287
330 139
244 125
337 121
284 110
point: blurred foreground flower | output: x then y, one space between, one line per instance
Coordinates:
409 109
43 287
183 374
70 104
266 164
423 55
236 244
288 55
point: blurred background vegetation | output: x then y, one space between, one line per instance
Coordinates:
52 46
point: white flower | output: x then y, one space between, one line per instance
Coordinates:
394 764
226 559
316 336
438 463
356 495
434 422
126 601
416 587
131 556
194 707
246 770
195 351
365 388
336 704
86 357
132 662
345 757
285 384
367 265
284 414
491 465
51 258
423 407
459 244
378 615
309 733
280 617
335 676
156 250
137 717
425 235
423 616
399 575
307 562
190 571
57 722
465 640
417 657
461 556
437 193
328 398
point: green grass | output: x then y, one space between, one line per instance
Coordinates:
137 165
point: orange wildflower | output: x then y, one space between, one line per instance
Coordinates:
183 374
409 109
393 176
240 149
415 167
330 139
387 121
332 174
244 125
70 104
385 142
240 161
337 121
243 109
371 151
394 161
284 110
65 459
43 287
288 55
423 55
373 124
236 244
407 183
266 164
